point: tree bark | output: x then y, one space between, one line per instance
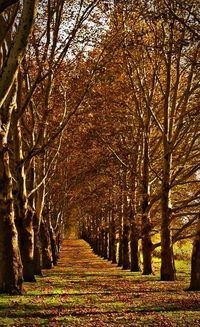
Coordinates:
112 239
46 246
147 245
125 247
125 226
54 248
38 199
146 225
4 4
11 274
37 261
24 214
120 252
134 264
105 244
195 262
11 266
167 258
9 71
26 245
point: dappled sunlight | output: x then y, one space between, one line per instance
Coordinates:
86 290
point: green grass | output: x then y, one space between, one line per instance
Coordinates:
102 295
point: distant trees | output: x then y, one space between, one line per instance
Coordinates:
155 85
33 46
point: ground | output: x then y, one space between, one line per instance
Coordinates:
85 290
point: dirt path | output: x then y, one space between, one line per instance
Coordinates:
85 290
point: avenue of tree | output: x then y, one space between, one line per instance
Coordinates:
99 128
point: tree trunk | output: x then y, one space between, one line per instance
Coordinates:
125 229
112 239
38 199
147 256
125 247
54 248
105 244
134 264
101 240
146 246
195 264
168 272
120 252
26 241
16 52
37 261
167 258
11 274
24 214
45 244
98 242
124 220
11 267
95 237
146 225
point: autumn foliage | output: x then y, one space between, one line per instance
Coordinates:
99 134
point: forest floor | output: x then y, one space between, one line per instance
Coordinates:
85 290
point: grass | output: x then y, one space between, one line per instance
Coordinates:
85 290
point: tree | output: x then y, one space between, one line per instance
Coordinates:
163 85
191 22
195 269
11 268
19 90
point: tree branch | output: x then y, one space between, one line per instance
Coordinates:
4 4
